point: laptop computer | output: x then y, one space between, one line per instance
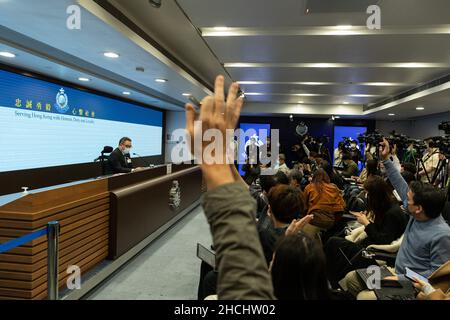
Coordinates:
365 276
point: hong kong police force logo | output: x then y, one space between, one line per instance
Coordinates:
62 101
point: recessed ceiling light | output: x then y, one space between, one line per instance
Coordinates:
161 80
420 108
84 79
391 114
186 94
306 94
321 65
345 102
220 28
127 93
7 54
254 93
344 27
363 95
112 55
301 102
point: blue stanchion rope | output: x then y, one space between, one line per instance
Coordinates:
22 240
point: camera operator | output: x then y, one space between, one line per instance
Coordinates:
338 154
430 161
355 153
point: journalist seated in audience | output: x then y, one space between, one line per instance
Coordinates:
286 204
407 166
261 188
408 176
296 178
350 166
334 176
298 269
383 223
426 240
371 169
323 200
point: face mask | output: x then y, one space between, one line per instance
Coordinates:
126 151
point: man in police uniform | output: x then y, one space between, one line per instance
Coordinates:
119 160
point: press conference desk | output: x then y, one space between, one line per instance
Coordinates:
101 219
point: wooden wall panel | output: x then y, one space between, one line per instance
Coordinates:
83 212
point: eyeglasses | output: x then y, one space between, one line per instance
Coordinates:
128 146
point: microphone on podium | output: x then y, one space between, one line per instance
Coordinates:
143 159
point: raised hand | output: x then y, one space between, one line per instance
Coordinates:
385 149
298 224
215 114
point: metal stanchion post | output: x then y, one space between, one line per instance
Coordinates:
52 260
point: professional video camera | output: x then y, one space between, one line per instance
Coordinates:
442 143
418 144
372 138
344 145
400 140
375 138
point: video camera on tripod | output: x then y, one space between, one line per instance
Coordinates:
442 143
375 138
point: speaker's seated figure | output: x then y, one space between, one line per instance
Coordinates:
119 160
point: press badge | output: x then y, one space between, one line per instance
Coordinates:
128 160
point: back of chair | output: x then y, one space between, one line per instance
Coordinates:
440 279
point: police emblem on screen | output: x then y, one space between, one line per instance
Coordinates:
62 101
175 195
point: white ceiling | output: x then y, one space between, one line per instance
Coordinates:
262 41
280 54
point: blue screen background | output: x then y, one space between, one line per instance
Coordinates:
40 133
350 132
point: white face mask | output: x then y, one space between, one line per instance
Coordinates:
126 151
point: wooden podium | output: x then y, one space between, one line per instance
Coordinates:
96 223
